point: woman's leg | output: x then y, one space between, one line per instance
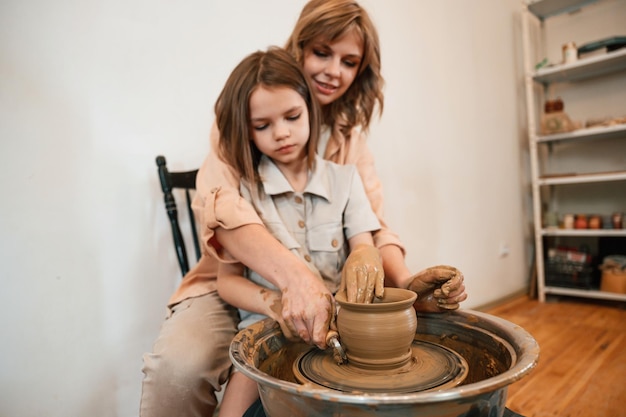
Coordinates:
189 361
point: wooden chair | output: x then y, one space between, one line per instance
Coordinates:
185 181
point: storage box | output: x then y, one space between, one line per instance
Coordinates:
614 274
613 280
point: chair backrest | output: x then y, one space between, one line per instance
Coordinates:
185 181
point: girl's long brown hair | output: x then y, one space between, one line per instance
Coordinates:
330 20
272 68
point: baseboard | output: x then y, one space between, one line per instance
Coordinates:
503 300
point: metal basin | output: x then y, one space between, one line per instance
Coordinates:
498 353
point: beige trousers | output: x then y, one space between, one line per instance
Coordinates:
189 361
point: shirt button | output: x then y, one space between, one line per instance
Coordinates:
334 243
301 224
308 258
298 199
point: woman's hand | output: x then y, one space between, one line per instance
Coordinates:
274 310
363 276
306 302
307 308
439 288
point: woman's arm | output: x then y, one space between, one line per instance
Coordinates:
306 302
242 293
439 288
217 202
397 274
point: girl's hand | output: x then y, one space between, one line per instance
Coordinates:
363 276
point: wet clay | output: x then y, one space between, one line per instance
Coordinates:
431 366
378 335
486 355
378 339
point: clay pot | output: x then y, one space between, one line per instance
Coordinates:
378 335
595 222
581 221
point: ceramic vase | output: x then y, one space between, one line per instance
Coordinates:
378 335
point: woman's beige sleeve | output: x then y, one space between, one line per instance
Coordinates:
360 155
217 202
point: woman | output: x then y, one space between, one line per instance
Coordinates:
338 48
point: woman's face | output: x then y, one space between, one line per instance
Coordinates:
332 66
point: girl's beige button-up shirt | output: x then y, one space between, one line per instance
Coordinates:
218 203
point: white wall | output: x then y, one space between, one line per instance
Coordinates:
92 91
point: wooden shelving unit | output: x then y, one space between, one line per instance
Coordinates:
584 69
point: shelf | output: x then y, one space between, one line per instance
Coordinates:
597 132
594 63
584 68
582 178
604 295
547 8
584 232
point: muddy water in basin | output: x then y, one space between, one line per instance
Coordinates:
491 352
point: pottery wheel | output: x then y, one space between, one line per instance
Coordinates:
431 367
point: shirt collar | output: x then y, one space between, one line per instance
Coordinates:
274 182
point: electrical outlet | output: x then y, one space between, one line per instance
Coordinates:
504 250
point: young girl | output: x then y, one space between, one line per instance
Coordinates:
336 44
268 119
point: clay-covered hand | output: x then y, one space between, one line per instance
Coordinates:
439 288
274 309
307 310
363 277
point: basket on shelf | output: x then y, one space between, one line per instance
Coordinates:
570 269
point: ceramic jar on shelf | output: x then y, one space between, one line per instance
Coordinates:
581 222
595 222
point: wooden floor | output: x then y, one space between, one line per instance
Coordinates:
582 364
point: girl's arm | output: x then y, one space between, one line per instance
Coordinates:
229 221
359 239
357 152
240 292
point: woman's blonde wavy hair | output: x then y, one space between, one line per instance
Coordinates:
330 20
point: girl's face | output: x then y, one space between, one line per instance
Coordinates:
332 66
279 122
